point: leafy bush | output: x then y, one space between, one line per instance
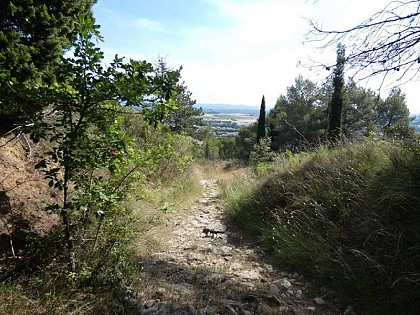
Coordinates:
261 156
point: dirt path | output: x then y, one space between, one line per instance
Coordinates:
207 267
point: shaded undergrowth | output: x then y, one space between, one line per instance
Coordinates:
38 280
349 216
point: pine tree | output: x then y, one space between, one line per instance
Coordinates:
261 121
33 37
336 105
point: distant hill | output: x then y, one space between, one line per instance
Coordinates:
229 109
415 123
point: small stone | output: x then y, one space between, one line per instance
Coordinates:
230 302
225 251
195 223
214 278
311 308
248 285
286 284
217 227
349 310
149 303
290 292
194 256
179 232
299 292
235 266
319 301
231 310
249 274
274 289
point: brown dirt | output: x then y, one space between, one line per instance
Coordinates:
24 194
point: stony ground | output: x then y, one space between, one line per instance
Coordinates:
208 267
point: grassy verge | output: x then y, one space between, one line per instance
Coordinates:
154 205
349 216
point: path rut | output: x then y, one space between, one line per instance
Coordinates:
208 267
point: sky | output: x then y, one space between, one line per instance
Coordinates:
233 51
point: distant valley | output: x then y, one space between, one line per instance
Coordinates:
229 108
226 120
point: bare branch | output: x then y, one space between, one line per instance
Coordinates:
386 43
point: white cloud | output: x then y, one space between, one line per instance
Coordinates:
150 25
254 51
257 54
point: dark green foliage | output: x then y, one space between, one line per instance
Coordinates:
261 121
91 157
349 216
227 148
359 111
33 37
185 118
336 104
365 113
34 34
393 110
261 157
245 141
297 118
208 142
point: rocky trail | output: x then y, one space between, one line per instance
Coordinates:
208 267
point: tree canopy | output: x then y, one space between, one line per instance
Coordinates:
33 37
186 117
298 116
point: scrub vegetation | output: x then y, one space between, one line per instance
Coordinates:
93 158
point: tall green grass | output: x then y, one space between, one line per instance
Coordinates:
349 216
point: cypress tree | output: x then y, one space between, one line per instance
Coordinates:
261 122
336 105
